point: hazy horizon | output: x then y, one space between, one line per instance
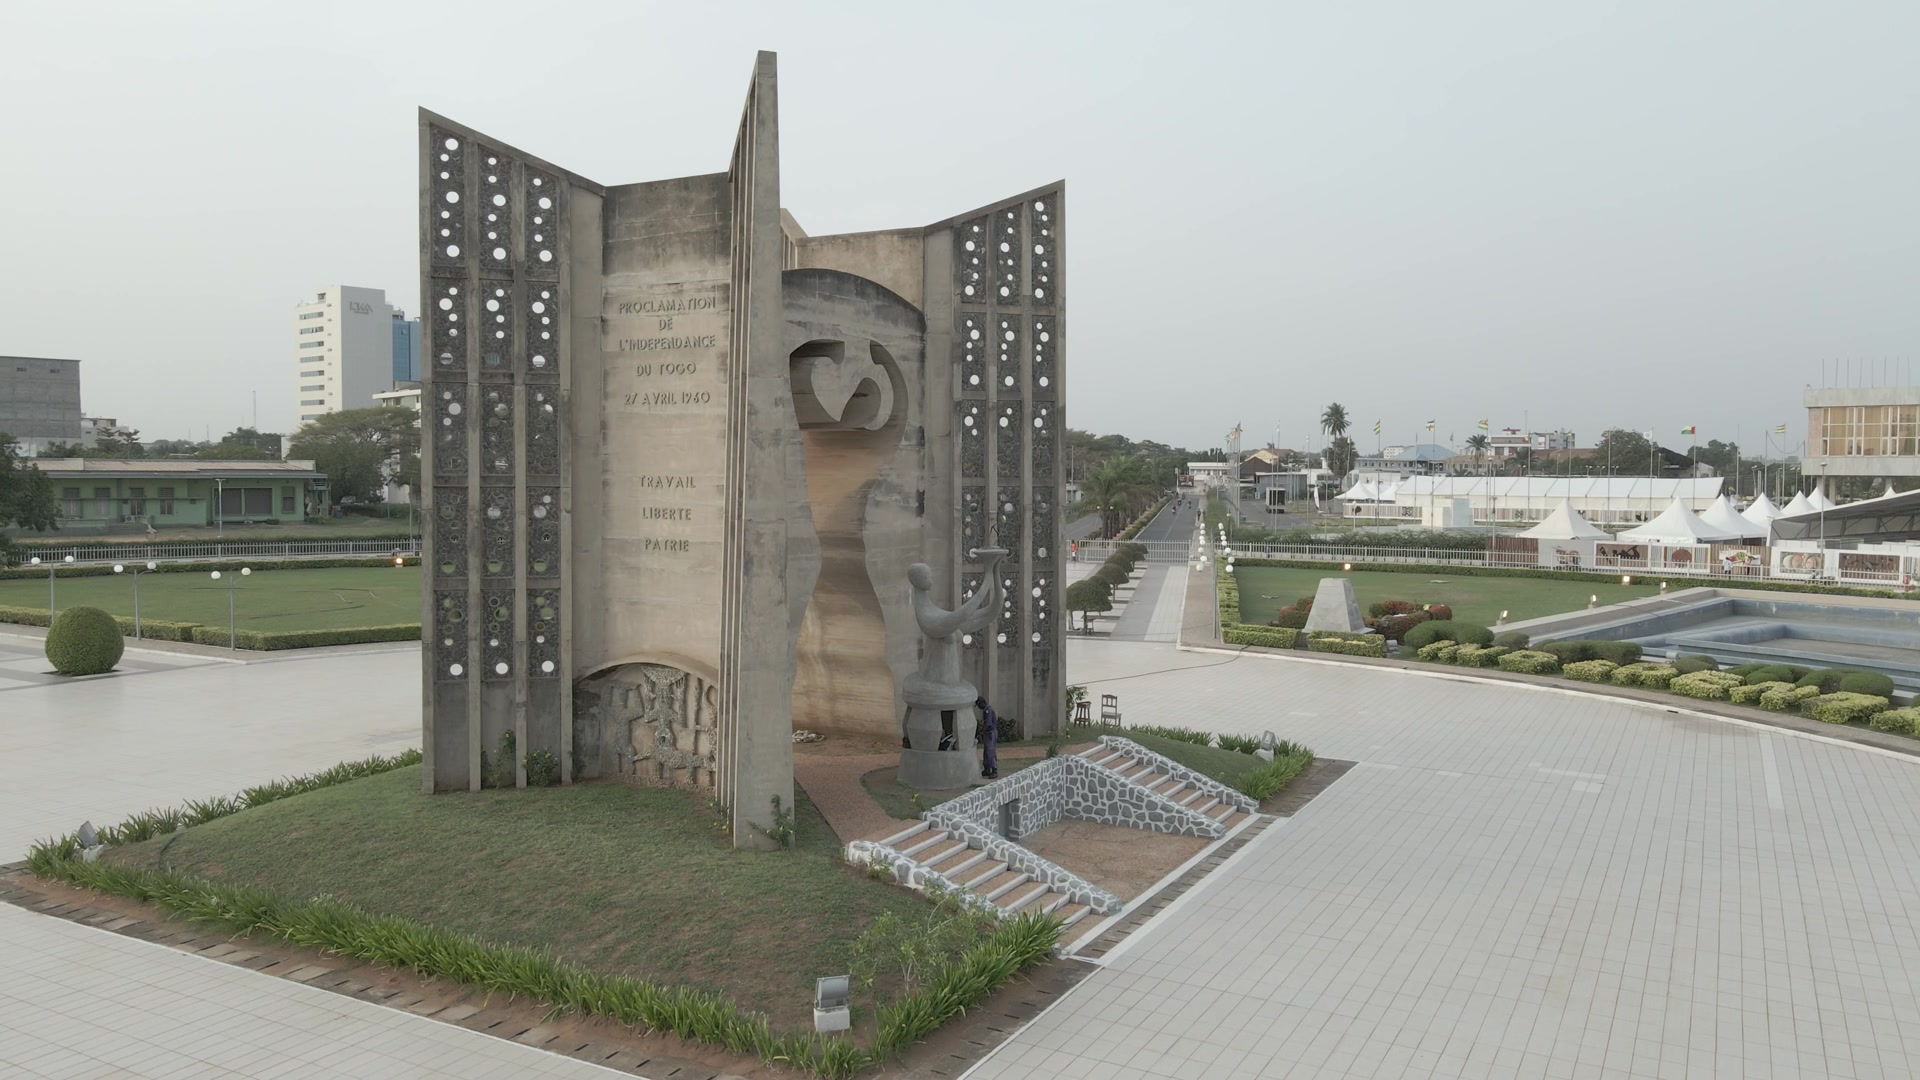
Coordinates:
1541 216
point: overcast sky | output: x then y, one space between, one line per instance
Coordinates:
1568 215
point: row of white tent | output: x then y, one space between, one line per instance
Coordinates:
1678 524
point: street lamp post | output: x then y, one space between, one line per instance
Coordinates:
120 568
52 608
232 634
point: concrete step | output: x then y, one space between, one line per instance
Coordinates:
1004 884
961 862
1058 901
1220 812
1014 901
1207 807
994 870
1188 801
1170 788
915 829
933 838
943 852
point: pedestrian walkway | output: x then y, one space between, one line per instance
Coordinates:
1511 883
104 748
76 1002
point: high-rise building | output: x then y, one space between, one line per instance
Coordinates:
406 348
344 349
39 401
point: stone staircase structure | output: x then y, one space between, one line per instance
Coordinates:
969 846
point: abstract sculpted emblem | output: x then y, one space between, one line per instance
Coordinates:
674 729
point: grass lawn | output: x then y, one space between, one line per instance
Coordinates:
1266 589
1226 766
266 600
615 877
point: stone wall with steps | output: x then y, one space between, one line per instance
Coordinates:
957 848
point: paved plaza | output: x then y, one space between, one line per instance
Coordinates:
1513 883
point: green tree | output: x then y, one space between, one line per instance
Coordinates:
118 443
1479 444
1624 453
1341 456
359 449
1090 594
1117 490
26 497
244 444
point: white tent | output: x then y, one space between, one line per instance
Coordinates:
1678 525
1819 501
1763 511
1721 515
1799 505
1889 493
1565 523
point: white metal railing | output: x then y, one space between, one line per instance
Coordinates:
1157 550
195 550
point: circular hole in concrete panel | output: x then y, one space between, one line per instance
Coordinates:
539 511
500 668
444 175
453 251
537 181
500 411
1041 552
446 157
490 234
539 361
499 253
493 512
538 220
492 161
973 380
546 666
1045 382
447 567
1036 639
546 256
1005 291
1008 380
493 305
966 639
1040 207
538 307
493 643
1003 421
499 200
539 239
1039 422
1001 638
1004 246
453 196
969 290
1039 249
500 464
1039 294
455 670
454 408
546 203
1036 592
445 214
452 144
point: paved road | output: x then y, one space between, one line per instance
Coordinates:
1513 883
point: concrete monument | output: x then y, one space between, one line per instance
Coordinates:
1335 608
681 455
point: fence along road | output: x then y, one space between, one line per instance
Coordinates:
201 550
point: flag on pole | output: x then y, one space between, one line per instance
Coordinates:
1429 427
1689 431
1376 427
1780 429
1483 425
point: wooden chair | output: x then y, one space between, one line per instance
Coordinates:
1083 712
1109 708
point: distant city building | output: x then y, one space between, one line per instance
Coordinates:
1862 431
39 401
407 396
1510 441
1418 459
93 428
406 349
348 346
98 495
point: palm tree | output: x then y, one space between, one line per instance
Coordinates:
1118 488
1478 444
1334 420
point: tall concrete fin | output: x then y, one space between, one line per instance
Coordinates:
770 558
996 303
499 282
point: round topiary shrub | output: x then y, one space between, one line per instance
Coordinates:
1512 639
1441 612
84 641
1769 673
1866 682
1447 630
1826 680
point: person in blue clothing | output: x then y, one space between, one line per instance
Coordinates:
989 739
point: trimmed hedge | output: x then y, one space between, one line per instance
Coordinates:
1705 685
1751 693
1446 629
1440 652
1269 637
1687 665
1563 575
84 641
196 566
1786 700
1480 656
1512 639
1653 676
1870 683
1529 662
1826 679
1140 522
1567 652
274 640
1590 670
1843 708
1904 721
1348 644
1775 673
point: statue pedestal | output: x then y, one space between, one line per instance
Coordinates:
939 770
923 765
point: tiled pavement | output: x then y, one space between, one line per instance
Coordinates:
23 663
1512 883
79 1002
102 748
